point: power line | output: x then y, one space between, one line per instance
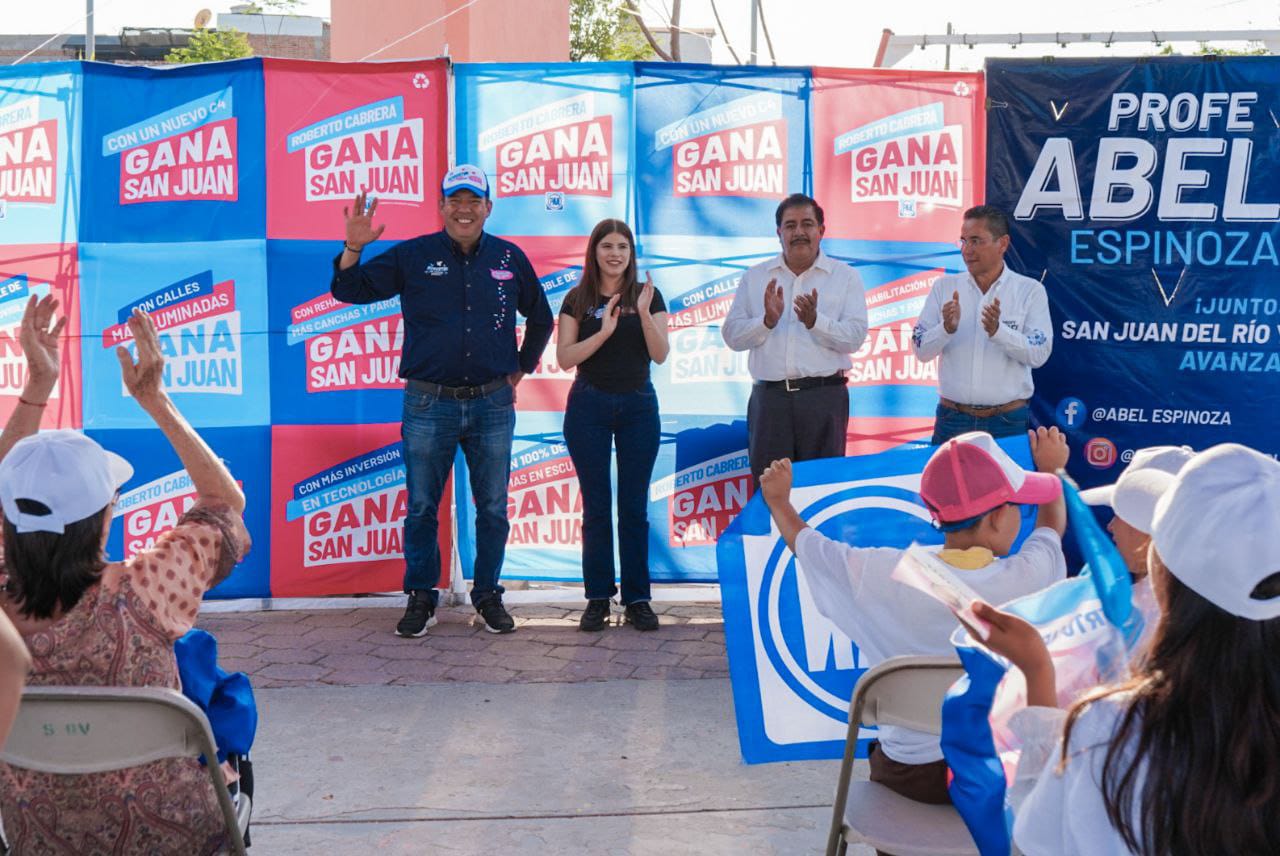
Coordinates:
425 26
77 22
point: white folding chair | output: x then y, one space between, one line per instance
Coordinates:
905 691
70 730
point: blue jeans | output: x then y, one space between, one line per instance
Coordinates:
594 422
432 428
949 423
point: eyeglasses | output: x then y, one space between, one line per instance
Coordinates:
974 242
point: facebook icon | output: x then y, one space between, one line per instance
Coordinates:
1072 413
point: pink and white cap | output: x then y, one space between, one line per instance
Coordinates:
970 475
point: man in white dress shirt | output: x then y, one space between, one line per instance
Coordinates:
991 327
799 407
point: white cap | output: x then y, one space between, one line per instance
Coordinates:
1215 529
63 470
1133 496
465 176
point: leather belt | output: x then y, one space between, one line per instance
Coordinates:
458 393
982 411
795 384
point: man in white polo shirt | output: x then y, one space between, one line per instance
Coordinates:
800 314
989 327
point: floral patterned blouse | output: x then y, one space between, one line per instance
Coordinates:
121 633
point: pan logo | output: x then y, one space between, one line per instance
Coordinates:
807 667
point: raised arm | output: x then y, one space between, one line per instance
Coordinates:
1050 452
775 487
210 477
40 346
360 231
356 280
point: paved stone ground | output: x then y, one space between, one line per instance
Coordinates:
357 647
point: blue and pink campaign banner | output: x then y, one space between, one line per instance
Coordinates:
554 140
212 197
1145 198
210 311
160 491
899 156
40 114
173 155
714 150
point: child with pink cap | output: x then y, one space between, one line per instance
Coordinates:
972 489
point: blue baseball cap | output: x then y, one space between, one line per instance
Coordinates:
465 176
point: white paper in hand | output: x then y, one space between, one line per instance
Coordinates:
923 570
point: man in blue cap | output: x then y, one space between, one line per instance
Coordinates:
460 290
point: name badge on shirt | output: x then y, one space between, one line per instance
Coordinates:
437 269
501 275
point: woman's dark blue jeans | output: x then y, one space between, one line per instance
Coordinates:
594 422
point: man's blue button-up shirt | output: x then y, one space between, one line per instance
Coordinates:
459 309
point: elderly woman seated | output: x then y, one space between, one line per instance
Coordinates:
88 621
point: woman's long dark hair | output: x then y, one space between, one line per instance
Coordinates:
1203 720
585 296
48 571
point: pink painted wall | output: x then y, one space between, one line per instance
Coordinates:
487 31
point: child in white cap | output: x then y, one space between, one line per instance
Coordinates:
972 489
1133 500
1182 758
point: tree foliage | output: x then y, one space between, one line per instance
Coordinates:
212 46
1206 49
603 30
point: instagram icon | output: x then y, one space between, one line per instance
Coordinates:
1100 453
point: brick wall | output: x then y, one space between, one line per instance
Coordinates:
291 47
49 54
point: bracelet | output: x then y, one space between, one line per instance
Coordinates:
347 247
22 400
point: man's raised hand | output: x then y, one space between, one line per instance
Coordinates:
991 317
360 229
773 305
951 313
806 306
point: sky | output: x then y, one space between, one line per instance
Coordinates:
805 32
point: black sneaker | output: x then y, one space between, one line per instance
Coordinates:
496 618
641 616
595 617
418 615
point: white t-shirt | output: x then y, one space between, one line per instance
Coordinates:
1064 815
852 587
